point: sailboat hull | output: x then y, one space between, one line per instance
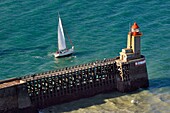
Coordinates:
64 53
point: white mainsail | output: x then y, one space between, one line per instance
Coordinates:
62 51
61 38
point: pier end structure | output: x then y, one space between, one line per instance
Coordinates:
131 65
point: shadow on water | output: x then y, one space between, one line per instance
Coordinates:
159 83
101 98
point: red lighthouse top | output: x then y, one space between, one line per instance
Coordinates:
135 29
135 26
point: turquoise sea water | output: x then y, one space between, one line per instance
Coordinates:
98 29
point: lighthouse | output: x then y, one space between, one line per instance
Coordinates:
133 44
131 65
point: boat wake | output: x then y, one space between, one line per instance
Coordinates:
38 57
51 54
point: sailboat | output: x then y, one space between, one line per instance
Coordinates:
62 49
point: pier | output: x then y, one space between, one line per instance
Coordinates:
30 93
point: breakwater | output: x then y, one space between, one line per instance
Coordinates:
125 73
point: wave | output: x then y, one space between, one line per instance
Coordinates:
20 50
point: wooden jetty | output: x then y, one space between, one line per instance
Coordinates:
30 93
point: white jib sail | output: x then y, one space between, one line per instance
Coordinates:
61 38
